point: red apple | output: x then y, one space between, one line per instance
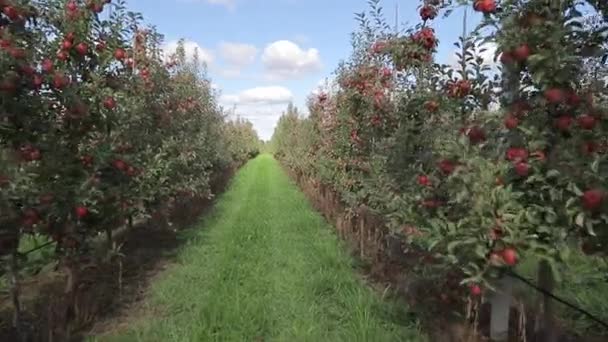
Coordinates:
82 49
506 57
476 135
81 211
120 54
586 121
120 164
109 103
511 122
66 44
428 12
62 55
592 199
564 122
475 290
522 52
447 166
47 65
11 12
17 53
522 169
424 180
72 6
509 255
554 95
516 154
59 81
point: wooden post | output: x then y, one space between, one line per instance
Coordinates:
500 300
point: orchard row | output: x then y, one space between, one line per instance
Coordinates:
98 125
423 145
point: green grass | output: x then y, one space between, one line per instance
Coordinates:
35 260
266 267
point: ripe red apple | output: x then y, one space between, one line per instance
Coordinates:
522 52
120 164
66 44
47 65
509 255
475 290
476 135
485 6
27 70
522 169
11 12
564 122
82 49
428 12
120 54
386 72
62 55
592 199
17 53
511 122
573 99
109 103
81 211
447 166
506 57
424 180
516 154
586 121
554 95
59 81
71 6
589 147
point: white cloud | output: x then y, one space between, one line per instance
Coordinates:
238 54
262 106
230 72
284 59
263 118
259 96
190 47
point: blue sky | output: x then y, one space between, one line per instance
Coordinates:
263 53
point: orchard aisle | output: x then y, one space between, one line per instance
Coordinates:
265 267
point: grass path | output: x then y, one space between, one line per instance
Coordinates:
265 267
